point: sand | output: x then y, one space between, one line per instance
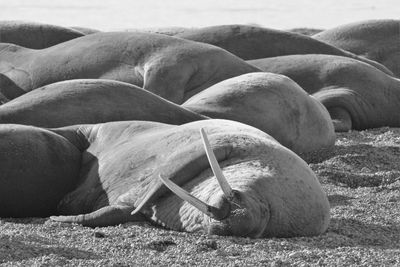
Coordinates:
361 178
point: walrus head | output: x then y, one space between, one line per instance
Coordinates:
230 211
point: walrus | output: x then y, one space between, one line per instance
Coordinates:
127 169
274 104
356 95
378 40
35 35
170 67
90 101
38 167
252 42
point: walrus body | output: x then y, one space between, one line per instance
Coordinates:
38 168
272 103
170 67
35 35
378 40
275 192
356 95
251 42
90 101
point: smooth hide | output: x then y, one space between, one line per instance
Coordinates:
272 103
91 101
378 40
170 67
35 35
356 95
278 193
251 42
38 167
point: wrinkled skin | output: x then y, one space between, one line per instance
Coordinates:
251 42
35 35
356 95
276 192
272 103
378 40
91 101
172 68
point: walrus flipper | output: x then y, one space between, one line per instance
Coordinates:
341 119
106 216
349 110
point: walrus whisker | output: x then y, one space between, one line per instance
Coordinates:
226 188
213 212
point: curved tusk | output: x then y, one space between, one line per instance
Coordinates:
211 211
223 183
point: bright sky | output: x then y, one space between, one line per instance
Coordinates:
120 14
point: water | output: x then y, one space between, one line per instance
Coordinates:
120 14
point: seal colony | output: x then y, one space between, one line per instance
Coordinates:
205 143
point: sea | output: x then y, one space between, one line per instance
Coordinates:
132 14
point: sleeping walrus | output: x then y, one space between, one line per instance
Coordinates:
89 101
274 104
378 40
356 95
251 42
35 35
118 172
170 67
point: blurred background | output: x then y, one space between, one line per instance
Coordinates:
126 14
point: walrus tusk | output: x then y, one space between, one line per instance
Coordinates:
226 188
213 212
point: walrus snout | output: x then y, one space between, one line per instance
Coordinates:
247 217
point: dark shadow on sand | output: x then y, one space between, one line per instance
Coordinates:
343 232
339 200
18 248
361 165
